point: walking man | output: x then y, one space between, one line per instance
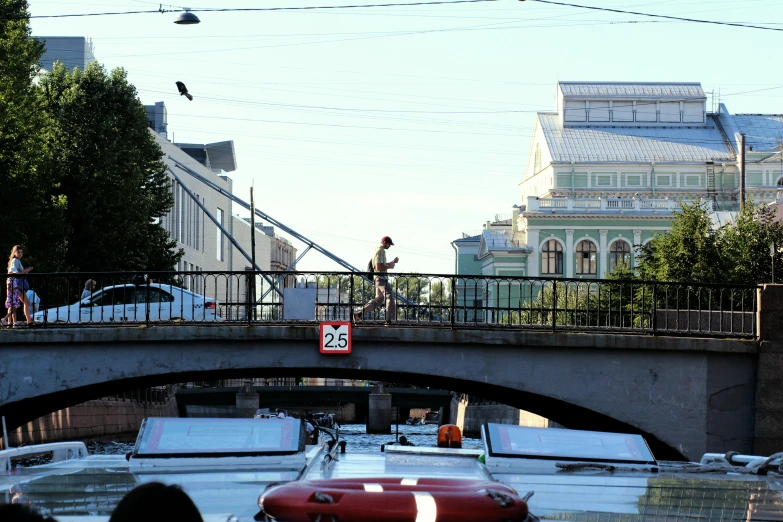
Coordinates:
383 289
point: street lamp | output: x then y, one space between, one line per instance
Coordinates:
187 18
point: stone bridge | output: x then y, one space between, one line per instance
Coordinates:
686 395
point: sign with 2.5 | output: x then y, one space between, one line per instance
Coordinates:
335 337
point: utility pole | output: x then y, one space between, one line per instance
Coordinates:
742 172
252 288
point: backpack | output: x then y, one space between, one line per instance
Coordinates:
370 268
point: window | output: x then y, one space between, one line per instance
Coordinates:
599 111
633 181
156 295
622 110
670 112
619 252
219 236
180 216
646 111
537 161
552 258
586 258
575 111
693 112
663 181
116 296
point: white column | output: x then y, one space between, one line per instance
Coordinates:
637 240
569 254
602 255
533 257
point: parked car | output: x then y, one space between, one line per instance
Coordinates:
131 303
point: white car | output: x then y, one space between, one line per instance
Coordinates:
131 303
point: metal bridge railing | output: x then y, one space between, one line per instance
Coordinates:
423 300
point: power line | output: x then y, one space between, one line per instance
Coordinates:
233 9
667 17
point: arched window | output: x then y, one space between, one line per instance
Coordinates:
619 252
586 258
552 258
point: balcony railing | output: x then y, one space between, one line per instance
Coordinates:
176 299
568 204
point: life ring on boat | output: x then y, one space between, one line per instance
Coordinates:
393 500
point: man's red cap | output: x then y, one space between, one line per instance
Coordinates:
385 239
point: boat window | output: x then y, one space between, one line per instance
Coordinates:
504 440
176 438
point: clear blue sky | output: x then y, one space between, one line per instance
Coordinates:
413 122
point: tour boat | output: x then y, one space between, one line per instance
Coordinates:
246 470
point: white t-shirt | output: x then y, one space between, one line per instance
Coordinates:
35 301
309 427
281 415
16 266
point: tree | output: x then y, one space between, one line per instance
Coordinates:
693 251
110 170
745 245
689 252
32 214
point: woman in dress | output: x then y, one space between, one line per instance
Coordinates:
15 295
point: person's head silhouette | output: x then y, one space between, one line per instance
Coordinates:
156 502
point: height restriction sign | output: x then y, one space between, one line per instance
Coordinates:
335 337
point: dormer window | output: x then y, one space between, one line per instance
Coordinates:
575 110
599 111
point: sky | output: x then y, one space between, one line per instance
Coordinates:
408 121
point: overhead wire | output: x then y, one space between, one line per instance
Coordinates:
245 9
652 15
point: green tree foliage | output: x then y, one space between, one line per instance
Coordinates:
745 246
689 252
695 252
33 204
109 168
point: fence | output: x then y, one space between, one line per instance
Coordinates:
433 301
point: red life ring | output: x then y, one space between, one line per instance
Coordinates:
393 500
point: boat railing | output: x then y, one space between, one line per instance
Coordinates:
60 451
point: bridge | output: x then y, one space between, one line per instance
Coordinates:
694 368
686 395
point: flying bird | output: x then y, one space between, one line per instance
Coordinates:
183 91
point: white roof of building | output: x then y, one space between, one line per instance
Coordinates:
630 144
635 90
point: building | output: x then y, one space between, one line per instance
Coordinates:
206 247
73 51
607 170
